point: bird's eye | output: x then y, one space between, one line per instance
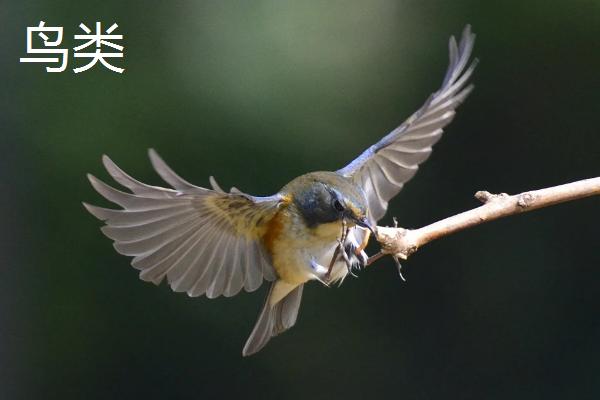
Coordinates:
338 206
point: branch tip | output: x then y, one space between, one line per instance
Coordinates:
402 243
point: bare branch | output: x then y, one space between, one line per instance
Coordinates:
401 243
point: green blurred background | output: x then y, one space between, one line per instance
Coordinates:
257 93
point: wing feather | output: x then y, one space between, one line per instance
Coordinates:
234 282
385 167
131 201
132 184
154 267
254 275
203 241
216 280
150 229
169 176
183 273
133 218
211 257
213 275
151 244
162 262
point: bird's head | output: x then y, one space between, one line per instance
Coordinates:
324 197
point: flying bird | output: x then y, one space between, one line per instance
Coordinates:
212 242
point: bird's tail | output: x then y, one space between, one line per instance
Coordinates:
274 318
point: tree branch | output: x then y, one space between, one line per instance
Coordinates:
401 243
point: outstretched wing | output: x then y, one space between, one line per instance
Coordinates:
202 240
383 168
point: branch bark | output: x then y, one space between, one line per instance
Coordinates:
401 243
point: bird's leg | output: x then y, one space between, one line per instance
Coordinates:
357 258
352 254
348 250
333 259
341 246
337 250
345 231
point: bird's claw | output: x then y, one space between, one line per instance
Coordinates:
354 260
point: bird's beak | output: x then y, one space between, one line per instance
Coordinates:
365 223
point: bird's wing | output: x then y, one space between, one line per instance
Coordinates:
383 168
202 240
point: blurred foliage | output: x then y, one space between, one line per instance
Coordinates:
257 93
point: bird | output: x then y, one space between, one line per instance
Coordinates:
207 241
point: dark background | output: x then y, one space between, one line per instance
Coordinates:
257 93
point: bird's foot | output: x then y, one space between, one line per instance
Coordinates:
355 259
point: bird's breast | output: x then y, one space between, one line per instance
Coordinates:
292 245
328 232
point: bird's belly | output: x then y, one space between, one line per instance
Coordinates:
298 251
299 261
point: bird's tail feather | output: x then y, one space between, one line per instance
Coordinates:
274 319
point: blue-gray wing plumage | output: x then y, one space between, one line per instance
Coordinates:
384 168
203 241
